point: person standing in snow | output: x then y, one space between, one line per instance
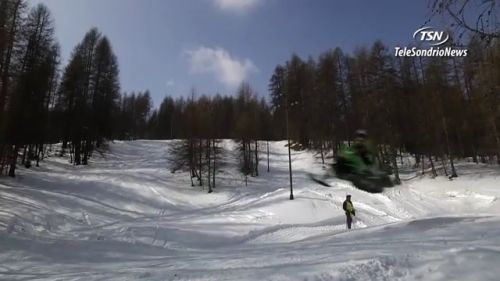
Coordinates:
349 210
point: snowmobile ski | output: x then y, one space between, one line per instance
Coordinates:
320 181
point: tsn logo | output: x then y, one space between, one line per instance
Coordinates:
431 36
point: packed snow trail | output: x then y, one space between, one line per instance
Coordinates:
127 217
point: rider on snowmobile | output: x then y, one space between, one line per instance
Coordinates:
364 148
358 164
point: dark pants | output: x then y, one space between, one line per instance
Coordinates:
349 220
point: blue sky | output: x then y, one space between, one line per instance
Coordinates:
172 46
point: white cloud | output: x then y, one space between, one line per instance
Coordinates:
170 83
228 70
236 5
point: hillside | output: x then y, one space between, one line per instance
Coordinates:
127 217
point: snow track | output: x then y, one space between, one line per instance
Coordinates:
127 217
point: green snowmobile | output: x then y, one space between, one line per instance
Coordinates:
351 166
358 164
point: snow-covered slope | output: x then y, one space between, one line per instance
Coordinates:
127 217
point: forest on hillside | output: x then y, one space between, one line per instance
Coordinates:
435 108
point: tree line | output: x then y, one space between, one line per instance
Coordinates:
41 104
29 57
435 108
200 123
438 109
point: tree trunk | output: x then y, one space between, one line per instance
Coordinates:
423 164
213 166
417 160
246 161
321 152
6 64
2 159
191 160
448 148
268 170
444 166
334 151
433 169
209 170
251 168
256 158
63 148
87 152
453 171
29 157
172 127
77 146
474 154
395 165
39 151
25 151
12 170
497 138
289 153
200 177
460 143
